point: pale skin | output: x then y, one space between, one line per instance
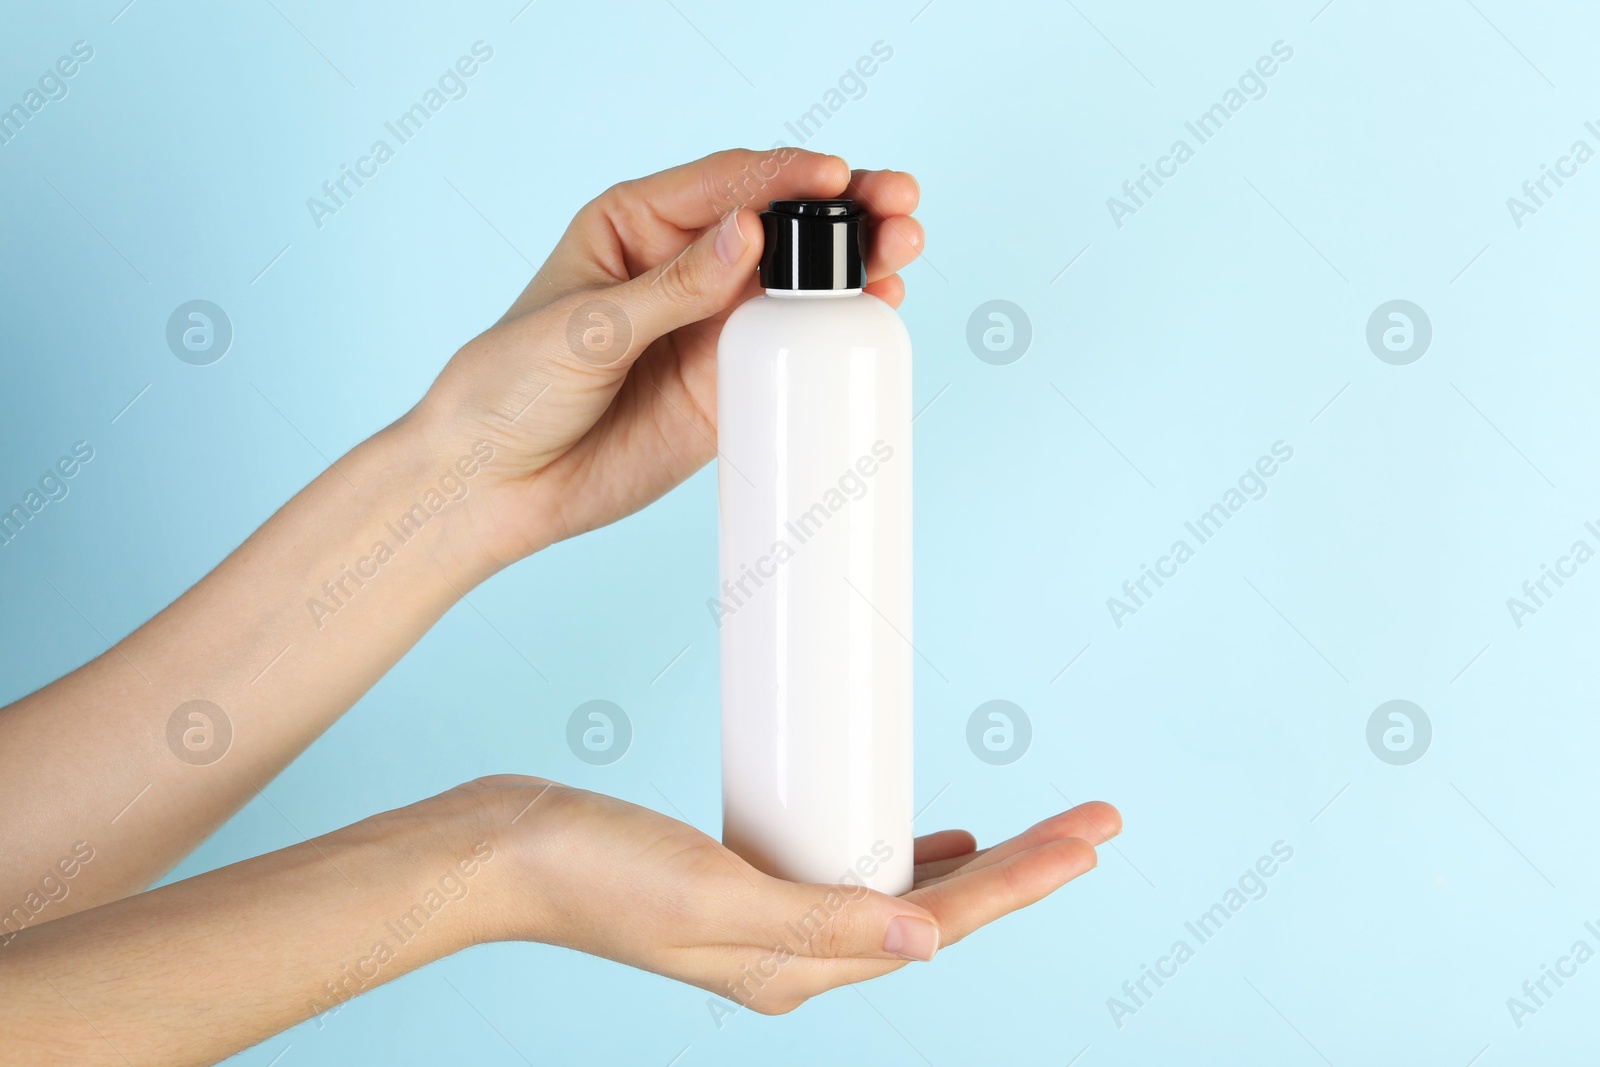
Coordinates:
110 973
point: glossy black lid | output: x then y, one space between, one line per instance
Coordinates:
812 244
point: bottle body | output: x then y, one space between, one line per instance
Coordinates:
814 597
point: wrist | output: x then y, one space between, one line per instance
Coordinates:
437 492
446 868
494 519
506 818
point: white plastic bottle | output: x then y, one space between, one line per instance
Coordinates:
814 601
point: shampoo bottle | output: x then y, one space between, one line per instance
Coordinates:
814 598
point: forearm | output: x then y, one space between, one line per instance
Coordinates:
197 970
282 637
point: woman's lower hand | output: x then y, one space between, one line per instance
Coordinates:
612 879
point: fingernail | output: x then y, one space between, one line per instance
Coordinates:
911 937
730 243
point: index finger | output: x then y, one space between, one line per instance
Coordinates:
695 195
1095 822
642 223
943 845
969 900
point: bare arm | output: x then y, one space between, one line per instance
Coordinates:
195 971
279 653
531 434
527 437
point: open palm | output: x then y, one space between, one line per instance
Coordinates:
614 879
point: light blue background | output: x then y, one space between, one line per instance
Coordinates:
1221 318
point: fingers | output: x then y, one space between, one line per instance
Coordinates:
1103 820
697 194
892 244
893 238
703 279
638 224
943 845
783 942
891 290
853 922
1094 822
884 192
973 898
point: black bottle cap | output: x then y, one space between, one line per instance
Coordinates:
812 244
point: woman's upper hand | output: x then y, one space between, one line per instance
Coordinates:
613 879
597 389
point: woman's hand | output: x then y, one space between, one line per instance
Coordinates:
496 859
612 879
597 390
592 397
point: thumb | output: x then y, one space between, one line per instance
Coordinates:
697 283
853 922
